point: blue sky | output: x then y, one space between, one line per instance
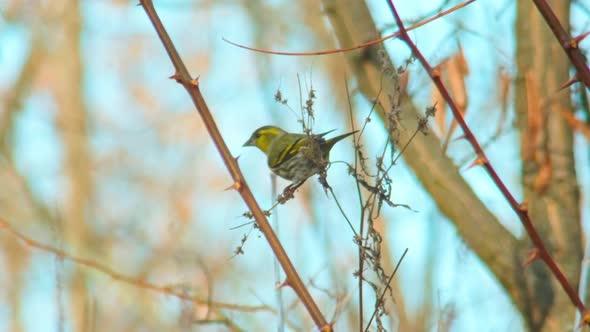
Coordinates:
168 144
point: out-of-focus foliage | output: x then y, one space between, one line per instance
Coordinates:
103 157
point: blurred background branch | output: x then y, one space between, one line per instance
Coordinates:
102 158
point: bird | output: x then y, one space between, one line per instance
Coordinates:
294 157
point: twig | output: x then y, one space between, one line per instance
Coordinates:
387 286
361 248
520 209
127 279
569 44
356 47
356 235
239 184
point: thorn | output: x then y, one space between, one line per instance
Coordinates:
435 73
524 206
582 36
573 43
195 81
570 44
533 256
571 81
459 138
477 162
283 284
235 186
139 4
175 77
585 318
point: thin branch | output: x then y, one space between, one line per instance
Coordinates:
520 209
569 44
192 87
387 286
356 235
356 47
361 249
127 279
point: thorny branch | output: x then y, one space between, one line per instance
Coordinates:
386 287
569 44
192 87
520 209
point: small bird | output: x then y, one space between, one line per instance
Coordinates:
294 157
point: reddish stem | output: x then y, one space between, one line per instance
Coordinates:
569 44
520 210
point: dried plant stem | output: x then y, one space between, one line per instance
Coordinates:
361 249
387 286
192 87
520 209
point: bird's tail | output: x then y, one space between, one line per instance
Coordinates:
330 142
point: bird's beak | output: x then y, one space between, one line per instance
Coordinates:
249 142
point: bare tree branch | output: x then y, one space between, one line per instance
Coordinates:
520 209
192 86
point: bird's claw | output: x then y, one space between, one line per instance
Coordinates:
289 192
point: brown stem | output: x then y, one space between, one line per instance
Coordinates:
520 210
192 87
569 44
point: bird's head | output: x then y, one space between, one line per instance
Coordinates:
263 137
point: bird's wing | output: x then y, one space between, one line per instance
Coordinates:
284 148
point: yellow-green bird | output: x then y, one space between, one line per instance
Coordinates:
294 157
